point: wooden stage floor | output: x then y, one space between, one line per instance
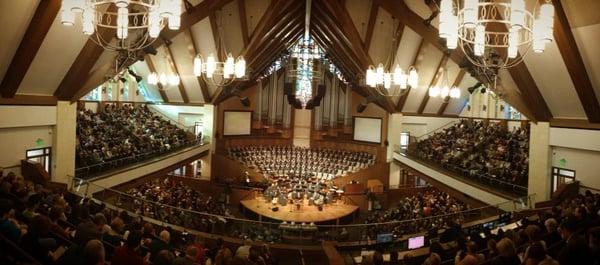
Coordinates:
307 214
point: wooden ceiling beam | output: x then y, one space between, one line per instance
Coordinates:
345 23
404 96
150 63
457 81
201 82
173 64
74 84
400 10
243 21
332 53
371 24
438 73
266 21
216 33
87 57
332 38
31 42
29 100
395 45
575 66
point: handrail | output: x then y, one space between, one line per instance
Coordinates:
515 187
420 137
82 182
154 109
138 156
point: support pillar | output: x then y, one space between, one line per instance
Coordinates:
540 159
64 142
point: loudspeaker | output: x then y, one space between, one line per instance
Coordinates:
275 209
310 104
288 89
361 107
245 101
291 99
297 104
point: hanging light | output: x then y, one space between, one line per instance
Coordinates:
174 80
153 78
198 65
413 77
434 91
219 73
240 67
465 23
144 18
163 79
445 91
455 92
229 67
211 65
378 77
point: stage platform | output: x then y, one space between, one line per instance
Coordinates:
306 214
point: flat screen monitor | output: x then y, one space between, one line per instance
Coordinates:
416 242
385 238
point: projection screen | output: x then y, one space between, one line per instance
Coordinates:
367 129
237 123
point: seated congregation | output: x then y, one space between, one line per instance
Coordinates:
122 134
479 150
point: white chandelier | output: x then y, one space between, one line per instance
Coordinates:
220 73
491 33
391 84
443 90
142 19
163 79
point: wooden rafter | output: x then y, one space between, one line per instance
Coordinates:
82 65
371 24
570 53
216 33
404 96
201 82
278 13
75 85
536 109
29 46
173 64
395 44
438 73
457 81
163 94
343 22
243 21
29 100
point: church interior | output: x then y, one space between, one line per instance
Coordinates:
299 132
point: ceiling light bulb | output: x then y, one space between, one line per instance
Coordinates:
153 78
434 91
471 12
174 80
211 65
445 91
413 78
198 65
228 68
240 67
163 79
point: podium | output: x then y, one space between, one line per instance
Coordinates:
375 185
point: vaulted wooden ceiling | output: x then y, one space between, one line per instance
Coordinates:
41 60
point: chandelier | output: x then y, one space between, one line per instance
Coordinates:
220 73
491 33
163 79
305 67
443 90
143 19
391 84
